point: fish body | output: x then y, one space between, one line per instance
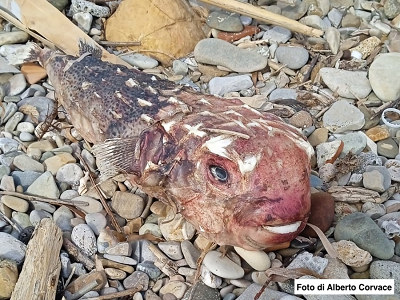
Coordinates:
240 176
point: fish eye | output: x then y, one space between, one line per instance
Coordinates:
219 173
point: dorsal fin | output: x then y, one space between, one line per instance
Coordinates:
84 48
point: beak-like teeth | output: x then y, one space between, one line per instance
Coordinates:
290 228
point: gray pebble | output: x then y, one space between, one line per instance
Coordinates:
43 105
37 215
354 142
141 252
89 7
293 57
22 219
150 269
225 21
190 253
139 60
172 249
96 221
385 173
388 148
62 216
25 163
44 186
70 173
10 110
26 137
8 145
65 265
277 34
83 237
136 278
219 52
223 85
11 248
16 84
13 37
283 94
13 121
363 231
180 67
25 179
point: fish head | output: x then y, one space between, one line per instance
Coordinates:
245 185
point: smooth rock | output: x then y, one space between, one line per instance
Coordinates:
11 248
96 221
267 294
154 229
222 266
174 227
122 248
62 217
83 237
15 203
223 85
277 94
44 186
8 145
363 231
338 81
127 205
70 173
384 172
37 215
354 142
294 11
373 210
179 67
322 213
16 84
25 163
54 163
175 288
209 278
335 16
314 21
229 22
22 219
258 260
26 137
388 148
278 34
172 249
13 121
383 74
342 117
106 239
121 259
332 36
135 279
293 57
319 136
229 56
13 37
139 60
190 253
91 205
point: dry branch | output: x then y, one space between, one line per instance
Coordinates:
41 269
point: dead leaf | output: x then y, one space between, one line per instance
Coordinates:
31 111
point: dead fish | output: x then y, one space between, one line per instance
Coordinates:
240 176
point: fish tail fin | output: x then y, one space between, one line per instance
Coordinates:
93 50
115 156
30 52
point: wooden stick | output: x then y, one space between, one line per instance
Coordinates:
266 16
39 275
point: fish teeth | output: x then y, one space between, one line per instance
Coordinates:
284 229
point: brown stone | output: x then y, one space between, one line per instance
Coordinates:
33 72
378 133
234 36
212 71
301 119
320 135
165 29
321 214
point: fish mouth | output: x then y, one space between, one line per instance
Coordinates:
283 229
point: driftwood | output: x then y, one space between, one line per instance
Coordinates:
351 194
78 255
27 15
41 269
266 16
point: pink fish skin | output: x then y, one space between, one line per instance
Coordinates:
240 176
